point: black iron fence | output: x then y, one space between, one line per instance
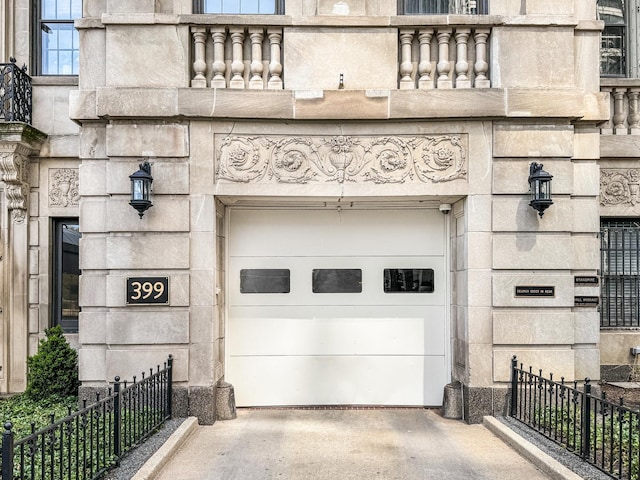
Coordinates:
86 443
15 93
604 433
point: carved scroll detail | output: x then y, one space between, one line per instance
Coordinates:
619 186
14 171
301 160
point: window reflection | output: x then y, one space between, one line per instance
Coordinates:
445 7
414 280
67 275
265 280
337 280
612 45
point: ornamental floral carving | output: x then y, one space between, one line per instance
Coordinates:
301 160
63 187
619 186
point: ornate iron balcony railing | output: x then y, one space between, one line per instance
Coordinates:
15 93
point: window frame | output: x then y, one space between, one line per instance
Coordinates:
630 41
38 48
482 8
198 8
57 271
619 272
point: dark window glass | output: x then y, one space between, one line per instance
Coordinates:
59 42
243 7
337 280
444 7
66 275
414 280
265 280
620 267
613 38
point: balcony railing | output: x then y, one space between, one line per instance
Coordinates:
228 56
625 116
15 93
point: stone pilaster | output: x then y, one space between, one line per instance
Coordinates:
18 142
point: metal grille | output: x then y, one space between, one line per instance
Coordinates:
15 93
620 265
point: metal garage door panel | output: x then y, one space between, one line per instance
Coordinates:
364 380
301 281
337 331
275 233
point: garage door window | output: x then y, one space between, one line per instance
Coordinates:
337 280
265 280
408 280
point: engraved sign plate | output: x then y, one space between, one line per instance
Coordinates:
586 281
535 291
586 301
147 290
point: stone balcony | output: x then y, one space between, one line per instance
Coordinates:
444 56
620 134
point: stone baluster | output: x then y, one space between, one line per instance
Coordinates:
481 67
462 59
199 62
275 65
256 35
606 128
619 115
443 66
634 113
406 67
237 62
424 67
219 36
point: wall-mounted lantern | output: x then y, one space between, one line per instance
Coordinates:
141 188
539 188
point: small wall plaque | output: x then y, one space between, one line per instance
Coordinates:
586 301
147 290
535 291
588 281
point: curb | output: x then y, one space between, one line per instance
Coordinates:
540 459
152 467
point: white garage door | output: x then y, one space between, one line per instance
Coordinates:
336 308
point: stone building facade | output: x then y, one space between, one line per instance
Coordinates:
340 196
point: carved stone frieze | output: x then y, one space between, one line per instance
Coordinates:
377 159
63 187
619 186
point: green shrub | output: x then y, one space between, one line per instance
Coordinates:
53 371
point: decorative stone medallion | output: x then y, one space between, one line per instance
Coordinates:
63 187
377 159
619 186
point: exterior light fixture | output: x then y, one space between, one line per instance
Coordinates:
141 188
539 188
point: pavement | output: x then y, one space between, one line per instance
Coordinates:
403 444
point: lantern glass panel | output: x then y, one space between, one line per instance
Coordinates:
138 189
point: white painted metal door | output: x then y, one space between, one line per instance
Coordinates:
371 347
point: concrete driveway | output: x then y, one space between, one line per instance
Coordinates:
401 444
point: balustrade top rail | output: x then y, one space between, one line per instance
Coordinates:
15 93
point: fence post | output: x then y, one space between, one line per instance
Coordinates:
586 419
514 385
117 419
7 452
170 386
